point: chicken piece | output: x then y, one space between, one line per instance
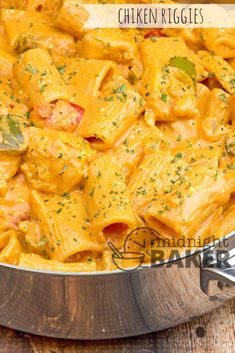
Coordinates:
56 161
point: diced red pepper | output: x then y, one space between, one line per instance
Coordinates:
80 110
158 32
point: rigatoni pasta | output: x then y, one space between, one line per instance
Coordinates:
6 64
109 44
116 109
169 91
192 197
72 17
108 199
86 77
130 150
219 41
219 68
36 71
10 247
31 29
64 221
9 166
46 6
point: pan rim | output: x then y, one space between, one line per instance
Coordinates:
4 266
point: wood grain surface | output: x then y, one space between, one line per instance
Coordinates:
211 333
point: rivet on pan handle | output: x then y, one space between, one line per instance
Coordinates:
218 267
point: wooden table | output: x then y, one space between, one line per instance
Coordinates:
212 333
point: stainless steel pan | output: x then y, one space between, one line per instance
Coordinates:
115 304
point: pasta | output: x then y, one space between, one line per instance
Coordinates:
30 29
116 109
86 77
109 44
64 219
48 6
35 70
72 17
10 247
6 62
219 41
108 199
104 131
169 91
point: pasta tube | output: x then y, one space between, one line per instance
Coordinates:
168 88
220 41
116 109
86 77
152 176
108 198
193 197
72 17
64 224
6 64
108 44
9 166
129 151
29 29
13 4
48 6
4 44
14 207
190 36
10 247
217 66
12 103
217 114
37 73
228 221
163 49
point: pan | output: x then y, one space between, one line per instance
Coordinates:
121 303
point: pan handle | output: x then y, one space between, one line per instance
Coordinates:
218 267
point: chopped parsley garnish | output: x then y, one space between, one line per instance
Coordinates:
223 98
31 69
42 88
164 97
231 166
62 69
